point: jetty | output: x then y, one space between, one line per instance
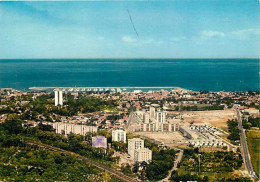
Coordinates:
71 89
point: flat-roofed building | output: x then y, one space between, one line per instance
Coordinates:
143 154
58 97
118 136
133 144
66 128
161 116
152 113
163 127
188 133
146 117
156 121
99 142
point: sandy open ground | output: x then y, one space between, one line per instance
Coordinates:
167 138
216 118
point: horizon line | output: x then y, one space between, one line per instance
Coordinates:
139 58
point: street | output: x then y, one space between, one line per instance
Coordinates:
245 151
178 160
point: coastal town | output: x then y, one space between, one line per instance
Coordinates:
136 127
130 91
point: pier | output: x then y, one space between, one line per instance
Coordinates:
85 89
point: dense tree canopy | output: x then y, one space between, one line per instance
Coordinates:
22 162
162 162
44 105
234 131
35 164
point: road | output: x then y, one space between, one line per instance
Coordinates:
246 154
178 160
130 119
93 163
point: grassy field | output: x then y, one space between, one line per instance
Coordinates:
253 139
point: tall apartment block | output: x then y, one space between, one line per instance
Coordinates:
143 154
152 113
133 144
58 96
119 136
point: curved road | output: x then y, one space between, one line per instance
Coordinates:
178 160
93 163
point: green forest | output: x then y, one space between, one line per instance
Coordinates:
37 164
22 162
42 106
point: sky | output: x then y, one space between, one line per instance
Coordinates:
103 29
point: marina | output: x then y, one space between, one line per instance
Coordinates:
102 89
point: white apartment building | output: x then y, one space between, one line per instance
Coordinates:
156 121
66 128
118 136
161 116
58 97
143 154
61 98
163 127
152 113
133 144
146 117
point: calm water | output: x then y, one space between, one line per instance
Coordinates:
194 74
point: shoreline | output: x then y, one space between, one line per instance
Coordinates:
113 89
100 87
123 58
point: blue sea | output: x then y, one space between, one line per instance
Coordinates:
193 74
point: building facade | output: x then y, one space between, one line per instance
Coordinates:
152 113
61 98
143 154
66 128
163 127
146 117
118 136
133 144
58 97
161 116
156 121
186 132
